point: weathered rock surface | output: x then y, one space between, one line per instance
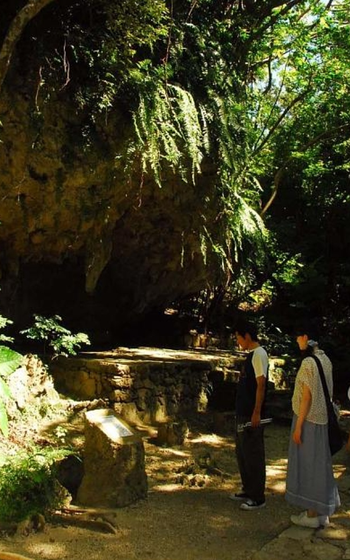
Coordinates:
80 235
155 385
150 384
30 386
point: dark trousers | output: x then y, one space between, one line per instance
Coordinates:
250 452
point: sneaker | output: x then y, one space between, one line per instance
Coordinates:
304 521
239 496
252 504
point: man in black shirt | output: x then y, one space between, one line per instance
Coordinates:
251 392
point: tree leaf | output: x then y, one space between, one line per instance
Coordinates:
4 424
4 390
9 361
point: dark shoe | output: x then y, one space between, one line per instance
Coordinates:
252 504
239 496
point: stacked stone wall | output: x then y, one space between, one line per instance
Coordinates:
152 389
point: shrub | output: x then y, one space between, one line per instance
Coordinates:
28 484
52 333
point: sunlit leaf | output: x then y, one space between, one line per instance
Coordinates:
9 361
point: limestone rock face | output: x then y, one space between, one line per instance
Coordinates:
81 236
30 385
114 467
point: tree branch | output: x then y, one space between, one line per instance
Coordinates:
285 8
279 174
15 30
279 120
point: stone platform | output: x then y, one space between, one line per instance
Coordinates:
155 384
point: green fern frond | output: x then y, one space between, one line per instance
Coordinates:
245 225
168 127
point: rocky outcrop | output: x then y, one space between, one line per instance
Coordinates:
31 387
80 234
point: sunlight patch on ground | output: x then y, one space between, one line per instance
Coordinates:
49 550
165 453
279 486
167 488
209 438
178 453
339 470
148 431
220 521
12 556
276 474
277 467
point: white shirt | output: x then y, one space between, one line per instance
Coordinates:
260 361
309 374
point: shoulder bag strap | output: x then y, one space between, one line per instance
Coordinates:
323 381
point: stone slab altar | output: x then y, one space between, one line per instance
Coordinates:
156 385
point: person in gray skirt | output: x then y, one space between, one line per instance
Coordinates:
310 482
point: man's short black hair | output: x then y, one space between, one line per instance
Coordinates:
246 327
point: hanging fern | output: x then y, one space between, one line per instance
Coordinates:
169 128
241 230
172 132
245 226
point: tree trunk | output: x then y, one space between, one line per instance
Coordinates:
24 16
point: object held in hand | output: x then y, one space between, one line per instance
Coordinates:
240 427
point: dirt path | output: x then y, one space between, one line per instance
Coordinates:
187 515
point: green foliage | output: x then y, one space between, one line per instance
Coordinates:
9 362
132 24
28 484
255 93
3 323
89 47
169 129
61 340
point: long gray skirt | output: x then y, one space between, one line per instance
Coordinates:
310 481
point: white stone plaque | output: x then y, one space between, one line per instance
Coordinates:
114 428
107 421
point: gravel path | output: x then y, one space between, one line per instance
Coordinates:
187 514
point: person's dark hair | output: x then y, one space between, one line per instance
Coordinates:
245 327
309 351
306 328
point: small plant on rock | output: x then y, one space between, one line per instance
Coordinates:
53 334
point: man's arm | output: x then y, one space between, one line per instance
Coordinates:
259 399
